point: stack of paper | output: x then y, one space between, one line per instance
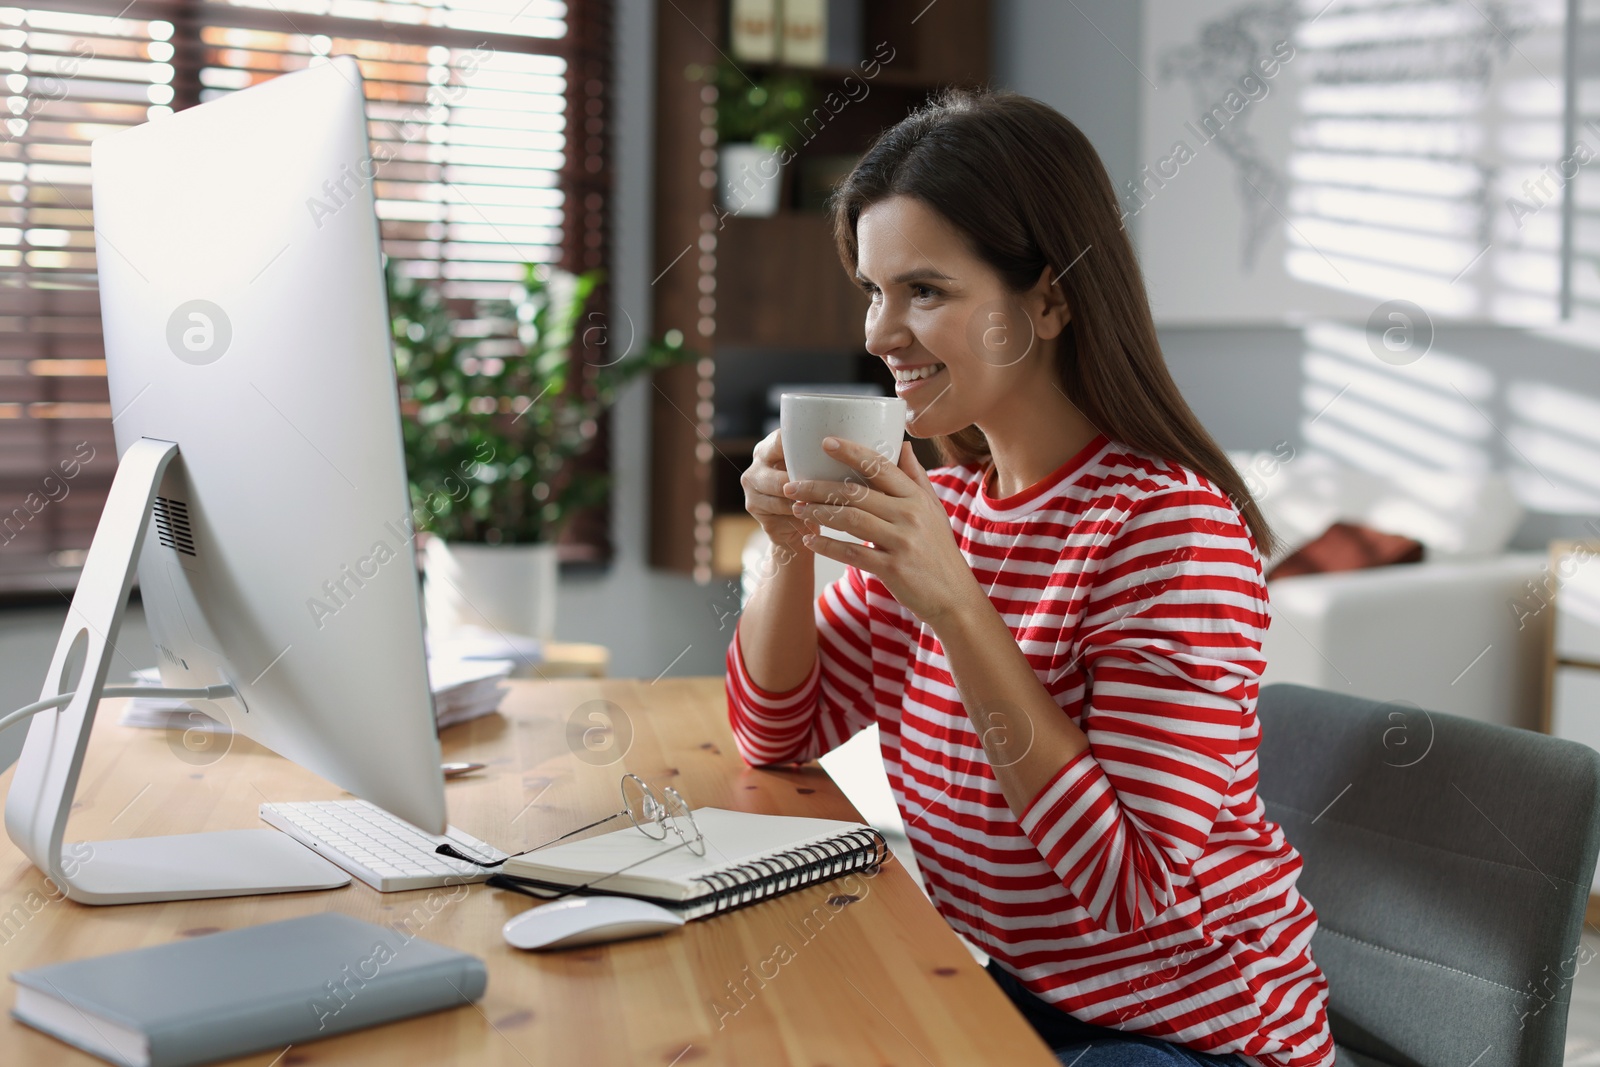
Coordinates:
463 689
466 689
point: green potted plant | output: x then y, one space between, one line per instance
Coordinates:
496 414
759 119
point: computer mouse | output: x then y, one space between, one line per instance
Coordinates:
587 921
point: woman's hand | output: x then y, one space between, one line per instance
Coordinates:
763 483
913 550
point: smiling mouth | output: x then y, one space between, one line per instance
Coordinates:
916 374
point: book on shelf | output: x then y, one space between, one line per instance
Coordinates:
748 858
753 30
821 33
803 38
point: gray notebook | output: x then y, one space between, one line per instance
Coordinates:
241 991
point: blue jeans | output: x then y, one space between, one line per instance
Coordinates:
1084 1045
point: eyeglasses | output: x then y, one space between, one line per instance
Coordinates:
654 813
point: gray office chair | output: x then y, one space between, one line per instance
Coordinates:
1449 863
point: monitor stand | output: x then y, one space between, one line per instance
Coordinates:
185 867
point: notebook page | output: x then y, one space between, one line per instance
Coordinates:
732 838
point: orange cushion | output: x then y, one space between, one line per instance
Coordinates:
1345 546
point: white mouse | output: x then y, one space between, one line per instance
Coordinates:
587 921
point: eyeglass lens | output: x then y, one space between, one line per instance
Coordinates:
644 807
678 817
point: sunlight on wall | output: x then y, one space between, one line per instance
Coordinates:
1556 434
1415 443
1585 186
1387 419
1418 121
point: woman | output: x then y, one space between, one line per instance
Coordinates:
1059 632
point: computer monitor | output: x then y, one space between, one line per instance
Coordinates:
258 432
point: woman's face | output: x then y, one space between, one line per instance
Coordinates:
963 347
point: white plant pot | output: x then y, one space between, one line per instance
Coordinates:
509 588
750 179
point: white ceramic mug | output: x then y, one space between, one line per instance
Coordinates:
879 422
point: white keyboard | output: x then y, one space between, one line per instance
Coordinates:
387 853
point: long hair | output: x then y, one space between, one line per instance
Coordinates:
1027 190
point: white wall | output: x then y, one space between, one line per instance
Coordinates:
1066 55
1249 384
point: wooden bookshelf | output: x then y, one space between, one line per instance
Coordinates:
780 285
762 291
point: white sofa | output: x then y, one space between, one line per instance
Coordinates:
1442 634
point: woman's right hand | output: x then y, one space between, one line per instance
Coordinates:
763 485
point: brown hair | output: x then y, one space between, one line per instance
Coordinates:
1028 191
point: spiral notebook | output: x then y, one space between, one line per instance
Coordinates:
748 858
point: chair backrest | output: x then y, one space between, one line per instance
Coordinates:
1449 862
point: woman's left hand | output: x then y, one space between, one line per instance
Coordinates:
913 550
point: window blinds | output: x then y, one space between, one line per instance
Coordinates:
468 109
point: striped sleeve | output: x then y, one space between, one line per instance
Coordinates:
1171 648
833 703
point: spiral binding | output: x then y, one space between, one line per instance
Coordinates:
745 883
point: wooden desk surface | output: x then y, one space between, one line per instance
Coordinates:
810 978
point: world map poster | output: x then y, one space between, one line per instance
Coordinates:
1307 160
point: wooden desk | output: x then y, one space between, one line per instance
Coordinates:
807 979
570 659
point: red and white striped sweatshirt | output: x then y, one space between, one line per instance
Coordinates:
1144 888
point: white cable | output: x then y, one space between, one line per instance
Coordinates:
210 692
